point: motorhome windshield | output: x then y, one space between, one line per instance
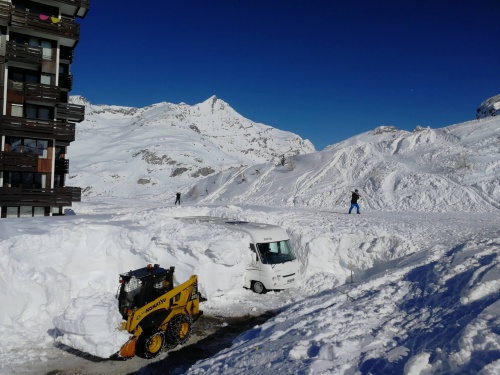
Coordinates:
276 252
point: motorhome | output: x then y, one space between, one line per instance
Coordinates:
273 265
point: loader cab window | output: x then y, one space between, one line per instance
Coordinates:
276 252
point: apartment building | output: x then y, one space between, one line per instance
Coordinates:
37 123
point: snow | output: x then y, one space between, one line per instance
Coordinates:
410 286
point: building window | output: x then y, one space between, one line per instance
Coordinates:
25 180
28 145
46 79
16 110
38 211
12 212
25 211
38 112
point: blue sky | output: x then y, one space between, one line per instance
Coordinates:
323 69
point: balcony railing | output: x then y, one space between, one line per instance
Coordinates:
61 166
5 9
37 91
76 193
18 161
66 81
24 53
61 196
70 112
63 27
43 129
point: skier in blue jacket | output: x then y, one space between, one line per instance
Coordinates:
354 201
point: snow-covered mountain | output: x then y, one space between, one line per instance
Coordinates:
127 151
490 107
214 155
456 168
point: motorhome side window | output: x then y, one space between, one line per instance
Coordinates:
275 252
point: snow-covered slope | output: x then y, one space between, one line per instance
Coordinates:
125 151
456 168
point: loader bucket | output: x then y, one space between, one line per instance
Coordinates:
128 349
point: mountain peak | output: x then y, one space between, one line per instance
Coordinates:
213 104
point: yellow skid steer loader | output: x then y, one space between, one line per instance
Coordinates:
157 314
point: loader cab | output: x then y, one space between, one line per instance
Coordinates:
139 287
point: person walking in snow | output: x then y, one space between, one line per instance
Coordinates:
177 199
354 201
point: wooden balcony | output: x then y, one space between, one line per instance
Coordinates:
33 128
65 28
18 161
70 112
36 91
5 9
57 197
66 81
61 166
23 53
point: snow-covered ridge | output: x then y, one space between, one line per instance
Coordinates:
456 168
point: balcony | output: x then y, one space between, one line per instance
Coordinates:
66 81
67 53
5 9
61 166
17 161
62 196
70 112
33 128
23 53
64 28
36 91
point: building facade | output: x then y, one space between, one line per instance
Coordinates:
37 122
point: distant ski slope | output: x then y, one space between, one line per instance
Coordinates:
456 168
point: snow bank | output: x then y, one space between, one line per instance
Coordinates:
60 275
92 325
409 320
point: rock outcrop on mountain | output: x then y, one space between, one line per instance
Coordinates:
490 107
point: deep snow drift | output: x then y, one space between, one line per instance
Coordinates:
425 292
